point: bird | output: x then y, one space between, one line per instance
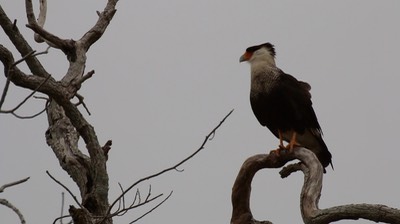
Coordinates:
283 104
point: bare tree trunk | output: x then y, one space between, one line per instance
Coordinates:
66 122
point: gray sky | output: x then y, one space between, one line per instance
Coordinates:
167 72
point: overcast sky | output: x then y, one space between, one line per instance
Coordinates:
168 71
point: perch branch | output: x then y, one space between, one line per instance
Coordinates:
373 212
310 194
241 190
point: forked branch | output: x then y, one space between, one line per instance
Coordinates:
311 191
8 61
40 33
9 204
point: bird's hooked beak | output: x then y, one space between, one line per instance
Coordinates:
245 57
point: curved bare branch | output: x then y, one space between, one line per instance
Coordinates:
310 194
2 188
41 19
15 209
241 213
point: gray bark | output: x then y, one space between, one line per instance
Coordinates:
66 123
310 194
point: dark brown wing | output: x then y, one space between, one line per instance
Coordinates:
287 106
298 97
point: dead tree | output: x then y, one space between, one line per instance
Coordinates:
67 124
310 193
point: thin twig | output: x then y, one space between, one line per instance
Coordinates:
149 194
86 76
66 188
8 75
31 116
5 90
42 52
14 26
168 169
41 98
8 81
155 207
81 98
61 217
22 59
121 201
29 96
32 53
62 206
123 211
2 188
137 196
172 167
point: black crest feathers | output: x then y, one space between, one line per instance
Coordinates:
269 46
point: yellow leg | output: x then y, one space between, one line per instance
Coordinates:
293 141
280 139
290 146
